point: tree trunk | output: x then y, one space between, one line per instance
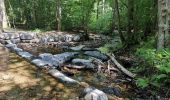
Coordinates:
103 7
58 15
1 18
4 18
163 24
130 29
118 17
97 11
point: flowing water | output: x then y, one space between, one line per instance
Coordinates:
20 80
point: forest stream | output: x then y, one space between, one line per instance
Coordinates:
21 80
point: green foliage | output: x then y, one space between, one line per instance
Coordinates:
111 47
158 63
142 82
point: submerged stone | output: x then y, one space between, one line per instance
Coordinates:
63 78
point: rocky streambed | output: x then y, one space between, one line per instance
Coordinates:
64 58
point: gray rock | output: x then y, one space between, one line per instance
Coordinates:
46 56
94 94
64 57
8 42
50 39
112 90
97 54
61 38
68 38
83 62
15 41
56 39
26 55
27 36
77 38
39 62
43 40
16 49
11 46
63 78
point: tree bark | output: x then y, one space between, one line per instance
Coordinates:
58 15
97 11
1 18
163 24
130 29
118 17
4 18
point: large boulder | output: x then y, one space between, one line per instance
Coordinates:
94 94
25 55
27 36
15 41
7 36
82 62
97 54
64 57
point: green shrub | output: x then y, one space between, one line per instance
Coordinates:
158 64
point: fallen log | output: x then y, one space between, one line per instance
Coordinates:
120 67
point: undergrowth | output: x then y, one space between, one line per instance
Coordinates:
154 67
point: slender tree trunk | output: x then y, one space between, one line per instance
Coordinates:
118 17
113 16
58 15
130 29
97 11
103 7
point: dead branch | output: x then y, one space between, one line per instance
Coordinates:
120 67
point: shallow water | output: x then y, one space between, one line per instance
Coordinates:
22 81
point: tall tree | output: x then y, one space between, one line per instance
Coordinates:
118 18
1 18
130 26
58 15
4 21
163 23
